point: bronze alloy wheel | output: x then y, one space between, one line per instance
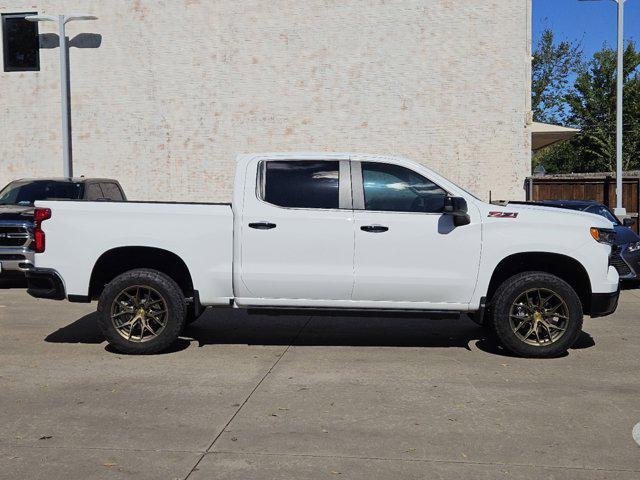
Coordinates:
139 313
539 317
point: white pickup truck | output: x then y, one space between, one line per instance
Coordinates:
327 232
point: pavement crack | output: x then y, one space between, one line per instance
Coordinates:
223 429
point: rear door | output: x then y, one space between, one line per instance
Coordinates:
297 231
406 249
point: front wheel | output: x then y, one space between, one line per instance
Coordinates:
536 314
141 311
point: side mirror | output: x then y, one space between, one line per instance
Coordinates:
457 208
629 221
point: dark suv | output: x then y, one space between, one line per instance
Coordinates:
16 215
625 254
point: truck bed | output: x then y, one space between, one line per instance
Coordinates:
79 233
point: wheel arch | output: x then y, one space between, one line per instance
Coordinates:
567 268
122 259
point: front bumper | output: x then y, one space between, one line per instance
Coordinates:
45 283
603 304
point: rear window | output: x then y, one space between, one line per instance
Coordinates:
27 193
93 191
111 191
301 184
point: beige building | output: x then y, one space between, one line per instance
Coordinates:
177 88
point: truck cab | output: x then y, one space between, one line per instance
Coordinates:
352 231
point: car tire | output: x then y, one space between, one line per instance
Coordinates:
536 315
137 303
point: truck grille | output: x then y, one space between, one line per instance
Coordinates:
14 236
619 264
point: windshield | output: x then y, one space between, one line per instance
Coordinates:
603 212
596 209
466 191
27 192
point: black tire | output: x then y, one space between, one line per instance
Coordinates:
165 288
511 290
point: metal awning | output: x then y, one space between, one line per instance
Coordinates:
545 134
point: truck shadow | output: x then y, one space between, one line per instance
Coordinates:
228 326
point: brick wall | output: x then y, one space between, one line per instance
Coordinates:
178 88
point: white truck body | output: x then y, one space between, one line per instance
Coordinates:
254 253
317 257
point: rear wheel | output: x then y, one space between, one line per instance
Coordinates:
536 314
141 311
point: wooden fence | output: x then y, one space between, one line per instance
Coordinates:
589 186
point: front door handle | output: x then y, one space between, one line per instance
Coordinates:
374 228
262 225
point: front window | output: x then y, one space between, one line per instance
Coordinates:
300 184
392 188
28 192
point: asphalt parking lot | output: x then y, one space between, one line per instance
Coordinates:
257 397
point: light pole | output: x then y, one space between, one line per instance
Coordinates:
65 84
619 210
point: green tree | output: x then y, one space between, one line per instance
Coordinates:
558 158
552 68
591 106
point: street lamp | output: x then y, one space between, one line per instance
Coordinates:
619 210
65 84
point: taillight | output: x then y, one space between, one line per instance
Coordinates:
39 216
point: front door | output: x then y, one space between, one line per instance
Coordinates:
297 231
406 249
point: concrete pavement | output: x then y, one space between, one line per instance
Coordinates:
260 397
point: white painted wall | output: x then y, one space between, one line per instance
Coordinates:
179 87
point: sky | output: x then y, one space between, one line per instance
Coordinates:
592 23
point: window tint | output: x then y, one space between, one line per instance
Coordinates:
94 192
603 212
112 192
27 192
392 188
301 184
20 43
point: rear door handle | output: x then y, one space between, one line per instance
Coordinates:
262 225
374 228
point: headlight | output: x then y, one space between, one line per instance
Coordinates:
634 247
603 235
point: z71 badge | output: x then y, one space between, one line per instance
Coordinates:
503 214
